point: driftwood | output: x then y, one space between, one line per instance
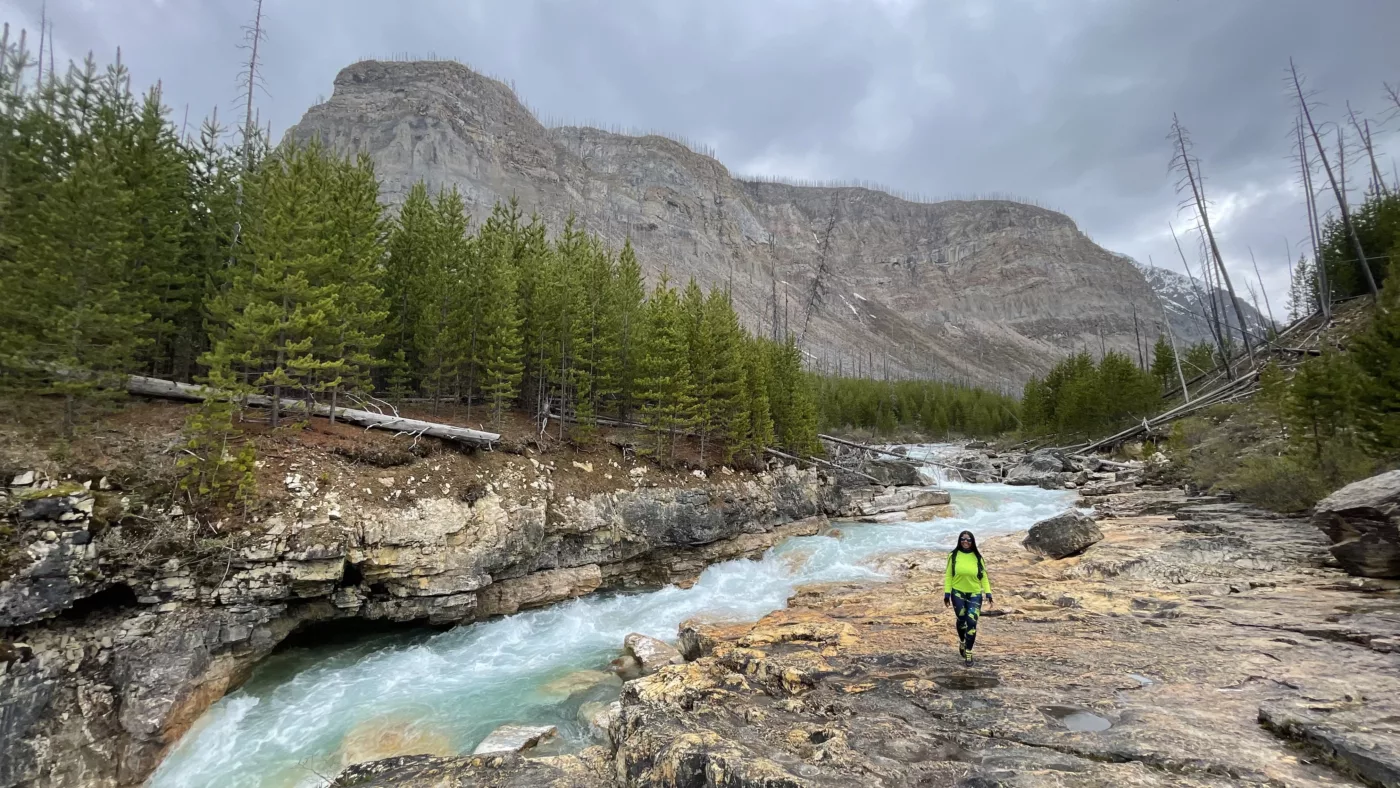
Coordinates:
910 460
825 463
167 389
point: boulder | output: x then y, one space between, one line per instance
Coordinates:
1363 521
892 471
1063 535
1034 467
514 738
653 654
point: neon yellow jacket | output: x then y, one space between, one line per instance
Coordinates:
961 575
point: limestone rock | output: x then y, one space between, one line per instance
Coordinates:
576 682
600 718
1063 535
930 283
1032 469
892 472
538 588
1107 488
1363 521
653 654
898 499
514 738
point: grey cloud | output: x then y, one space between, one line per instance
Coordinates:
1064 102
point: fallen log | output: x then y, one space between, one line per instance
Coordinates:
911 460
187 392
828 464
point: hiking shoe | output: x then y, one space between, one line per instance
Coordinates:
967 658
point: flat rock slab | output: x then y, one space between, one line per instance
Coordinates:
514 738
1345 739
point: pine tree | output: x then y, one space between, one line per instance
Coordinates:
1322 400
498 361
1302 290
721 407
441 333
1200 359
1164 362
534 268
790 399
757 382
155 170
354 230
1377 355
270 327
406 267
628 296
77 323
664 387
218 466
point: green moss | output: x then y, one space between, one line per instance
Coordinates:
62 490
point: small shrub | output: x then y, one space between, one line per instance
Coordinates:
1277 482
218 466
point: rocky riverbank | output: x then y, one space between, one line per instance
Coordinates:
105 662
1198 643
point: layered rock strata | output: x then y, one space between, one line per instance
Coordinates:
102 668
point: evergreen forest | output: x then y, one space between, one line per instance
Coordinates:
130 246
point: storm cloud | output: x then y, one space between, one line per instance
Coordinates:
1067 103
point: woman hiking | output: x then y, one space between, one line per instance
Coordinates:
965 582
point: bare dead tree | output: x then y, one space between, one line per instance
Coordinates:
1324 292
43 25
1190 168
1337 189
252 36
1171 335
1137 338
1363 131
1212 324
819 277
1267 306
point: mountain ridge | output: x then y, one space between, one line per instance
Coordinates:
987 292
1186 305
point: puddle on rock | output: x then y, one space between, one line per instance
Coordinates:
967 682
1078 719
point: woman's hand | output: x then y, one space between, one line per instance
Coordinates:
947 600
989 602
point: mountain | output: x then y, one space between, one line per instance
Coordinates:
1186 305
983 291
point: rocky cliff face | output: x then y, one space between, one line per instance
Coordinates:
103 666
985 291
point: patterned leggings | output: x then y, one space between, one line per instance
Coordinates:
967 607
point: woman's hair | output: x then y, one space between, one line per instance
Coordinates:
975 551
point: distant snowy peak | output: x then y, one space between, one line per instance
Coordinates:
1186 304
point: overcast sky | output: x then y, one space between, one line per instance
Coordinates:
1067 102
